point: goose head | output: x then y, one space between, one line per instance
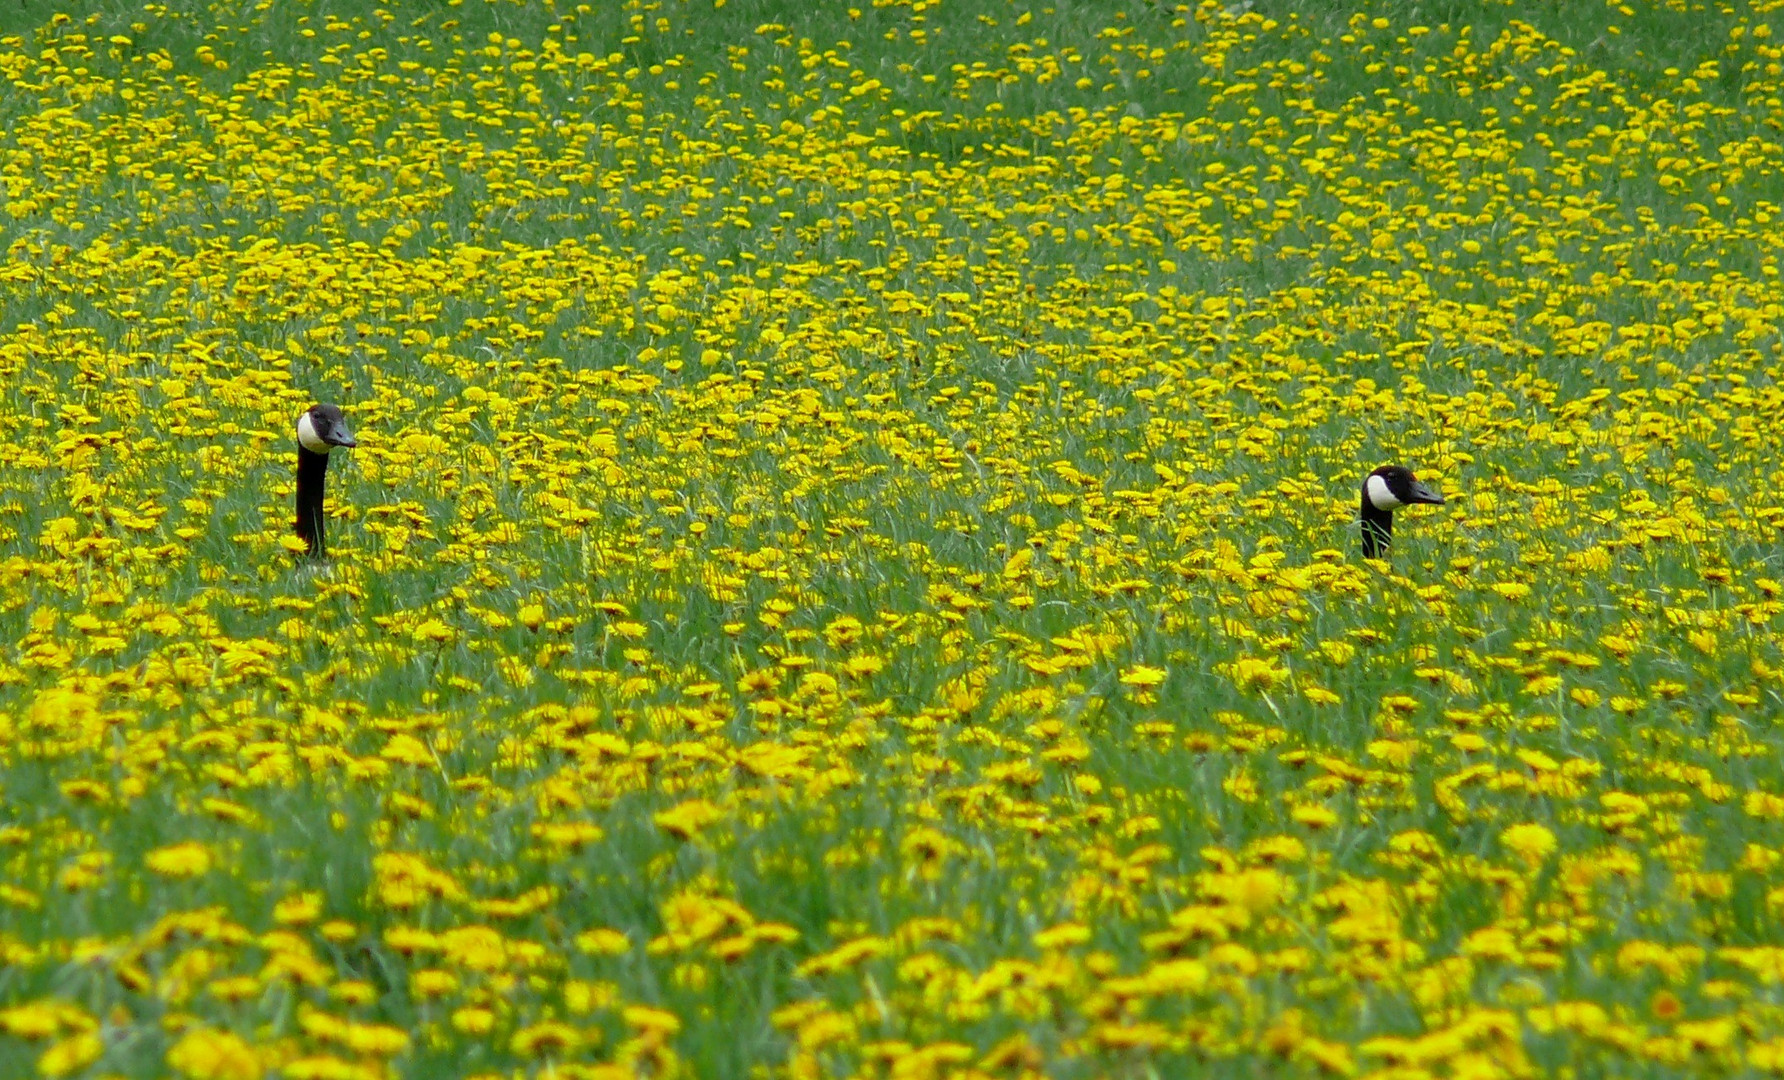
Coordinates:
1384 491
1393 486
322 428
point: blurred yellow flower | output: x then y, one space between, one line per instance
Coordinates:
186 860
72 1054
686 820
1529 841
208 1054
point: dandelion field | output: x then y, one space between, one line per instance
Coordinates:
850 566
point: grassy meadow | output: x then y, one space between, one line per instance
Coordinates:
851 564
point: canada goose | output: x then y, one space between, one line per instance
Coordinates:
319 430
1387 489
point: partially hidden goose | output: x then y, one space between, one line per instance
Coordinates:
1384 491
319 430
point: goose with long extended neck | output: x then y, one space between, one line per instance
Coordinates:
1384 491
319 430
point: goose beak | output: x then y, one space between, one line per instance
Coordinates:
1423 494
343 437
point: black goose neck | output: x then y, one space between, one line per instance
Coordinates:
312 476
310 465
1378 528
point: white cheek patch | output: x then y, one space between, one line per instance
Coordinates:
307 437
1379 495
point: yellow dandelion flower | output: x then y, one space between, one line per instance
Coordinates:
1529 841
473 1020
185 860
685 820
208 1054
